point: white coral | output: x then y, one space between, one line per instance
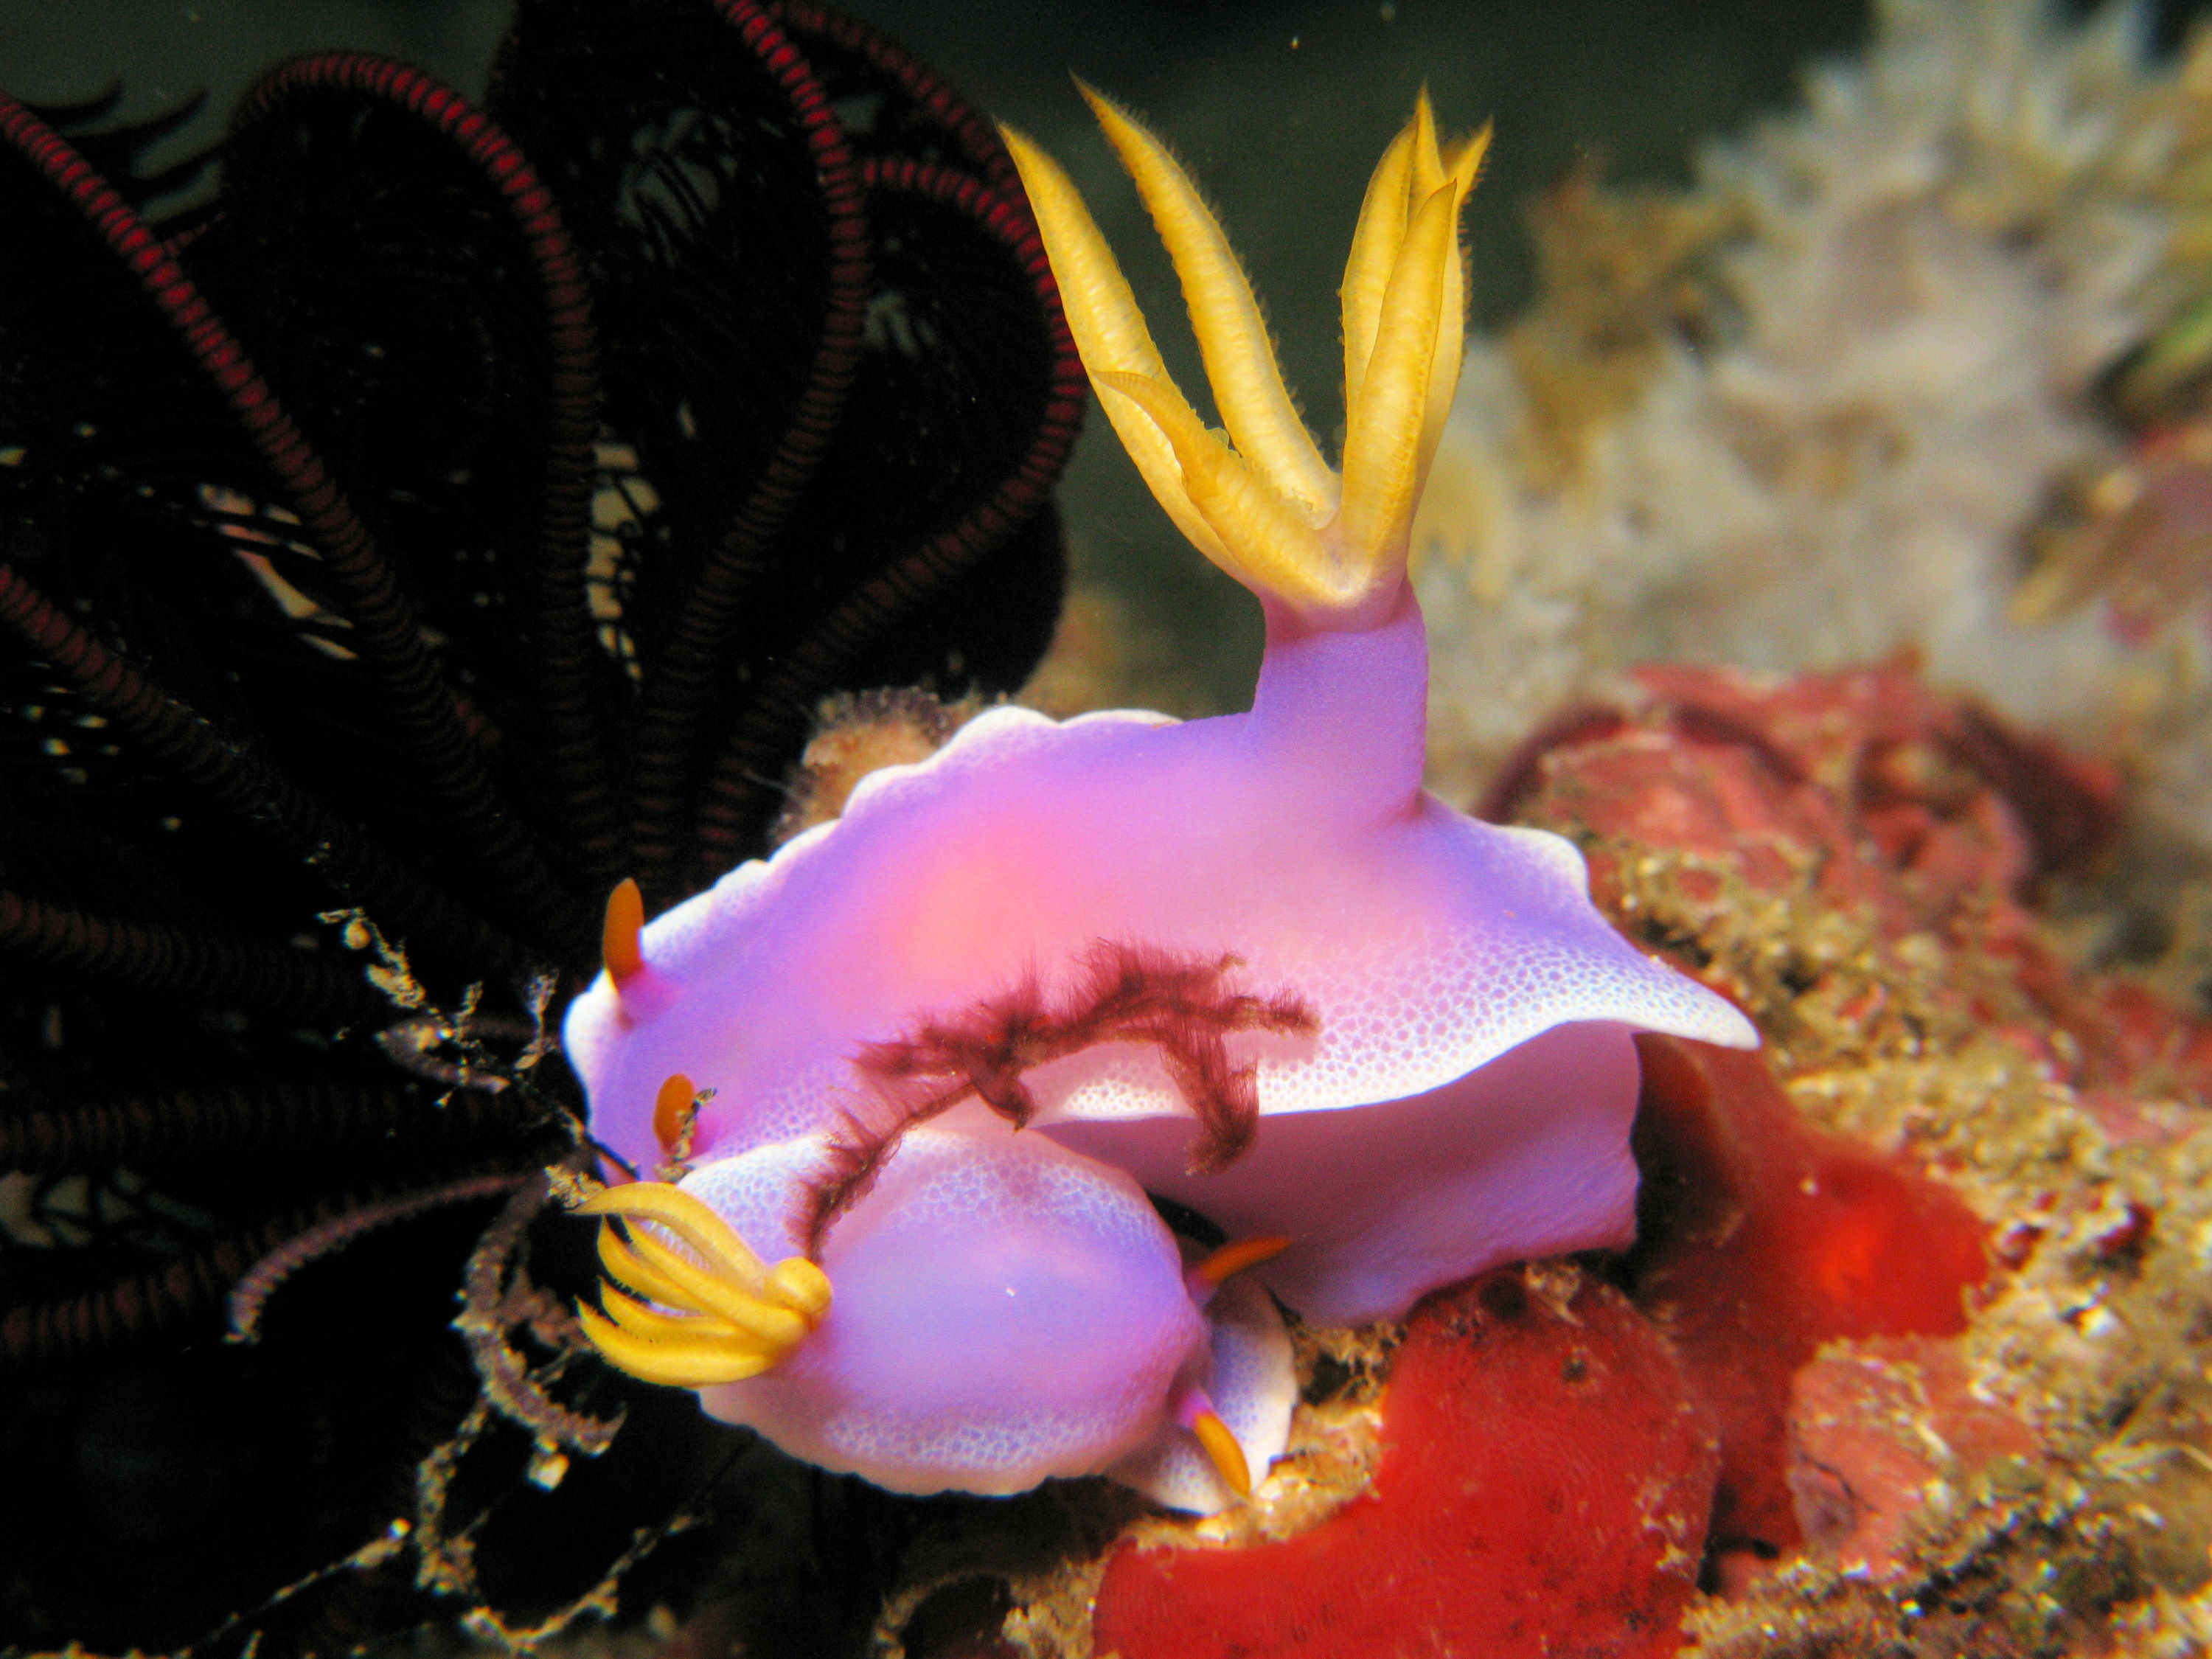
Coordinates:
1941 249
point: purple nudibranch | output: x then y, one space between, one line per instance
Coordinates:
956 1037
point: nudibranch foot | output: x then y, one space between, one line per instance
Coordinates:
1379 1205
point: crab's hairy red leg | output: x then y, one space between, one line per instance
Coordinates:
385 631
676 695
1125 993
241 785
784 699
579 755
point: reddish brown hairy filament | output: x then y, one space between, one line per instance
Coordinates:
1121 994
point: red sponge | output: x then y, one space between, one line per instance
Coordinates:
1762 1239
1543 1490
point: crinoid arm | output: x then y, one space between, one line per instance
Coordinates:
1257 498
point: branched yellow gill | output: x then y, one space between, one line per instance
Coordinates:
1258 499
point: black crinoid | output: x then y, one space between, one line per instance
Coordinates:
455 511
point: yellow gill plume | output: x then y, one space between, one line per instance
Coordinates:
1259 501
722 1314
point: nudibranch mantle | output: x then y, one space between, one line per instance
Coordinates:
1434 1020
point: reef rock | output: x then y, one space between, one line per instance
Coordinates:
1911 1351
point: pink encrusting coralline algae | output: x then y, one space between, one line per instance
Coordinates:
933 1057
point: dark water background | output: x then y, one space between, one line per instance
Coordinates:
1280 108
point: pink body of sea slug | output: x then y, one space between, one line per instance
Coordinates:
955 1038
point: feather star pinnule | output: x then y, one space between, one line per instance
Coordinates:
957 1039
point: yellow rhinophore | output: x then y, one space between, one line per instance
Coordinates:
721 1318
1259 500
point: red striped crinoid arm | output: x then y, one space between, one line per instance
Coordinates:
556 618
216 969
676 695
944 108
740 793
386 632
256 795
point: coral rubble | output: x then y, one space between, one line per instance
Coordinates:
2036 1482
